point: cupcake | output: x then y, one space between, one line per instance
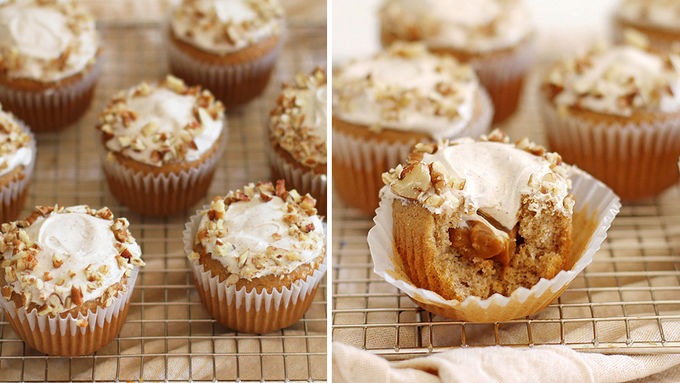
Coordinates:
17 158
487 230
494 36
297 132
49 61
385 104
67 277
657 20
229 47
615 112
257 256
163 142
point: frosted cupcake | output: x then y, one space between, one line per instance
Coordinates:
163 142
615 112
494 36
49 61
258 256
383 105
17 159
67 277
657 20
297 132
229 47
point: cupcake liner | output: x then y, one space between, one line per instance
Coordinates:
594 200
250 311
62 335
166 193
358 164
55 108
13 195
636 160
302 180
232 84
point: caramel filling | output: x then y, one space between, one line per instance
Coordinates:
481 239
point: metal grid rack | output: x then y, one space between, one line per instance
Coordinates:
626 301
168 335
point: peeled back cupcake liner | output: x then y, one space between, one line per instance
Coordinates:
166 193
358 164
594 202
302 180
635 160
13 195
232 84
53 109
250 311
71 335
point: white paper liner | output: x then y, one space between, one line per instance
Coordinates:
68 326
9 194
223 80
148 184
54 108
636 160
304 181
263 301
588 193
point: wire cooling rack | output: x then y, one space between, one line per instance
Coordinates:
626 301
168 335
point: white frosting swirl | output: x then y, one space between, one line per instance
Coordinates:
15 147
663 14
480 25
421 93
46 42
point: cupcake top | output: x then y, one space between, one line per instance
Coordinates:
15 144
261 230
406 88
59 258
663 14
225 26
619 80
162 123
472 26
487 178
298 122
45 40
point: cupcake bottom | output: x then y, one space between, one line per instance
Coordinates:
298 177
53 106
637 156
235 78
161 191
360 156
69 335
659 39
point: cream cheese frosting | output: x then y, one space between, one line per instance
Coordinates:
226 26
475 26
407 88
617 80
45 40
664 14
261 231
298 122
15 144
62 257
162 123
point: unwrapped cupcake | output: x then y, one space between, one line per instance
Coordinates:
67 277
383 105
49 61
297 132
163 142
17 159
657 20
258 256
229 47
494 36
615 112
